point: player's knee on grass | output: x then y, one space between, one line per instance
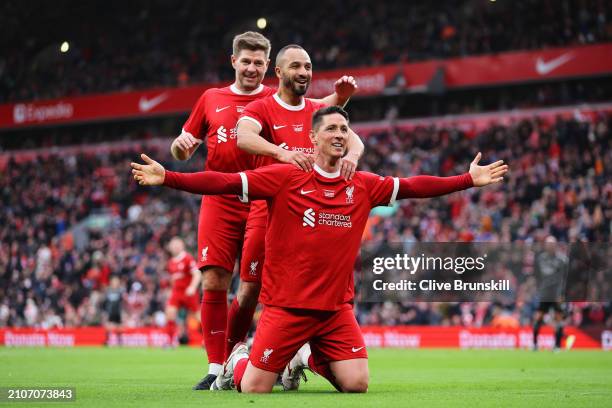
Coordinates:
351 375
357 382
257 381
215 278
248 294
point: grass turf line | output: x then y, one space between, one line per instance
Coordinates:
124 377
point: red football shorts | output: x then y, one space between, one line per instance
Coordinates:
179 300
253 251
220 231
333 336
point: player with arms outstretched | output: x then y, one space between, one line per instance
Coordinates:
222 221
315 225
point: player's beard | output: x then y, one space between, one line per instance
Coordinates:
297 89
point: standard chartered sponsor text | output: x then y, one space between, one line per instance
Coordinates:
335 220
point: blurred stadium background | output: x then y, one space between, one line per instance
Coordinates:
86 86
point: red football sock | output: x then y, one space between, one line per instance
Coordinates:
324 371
238 324
239 370
214 320
171 331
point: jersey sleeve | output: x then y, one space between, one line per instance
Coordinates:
381 190
264 182
196 123
254 112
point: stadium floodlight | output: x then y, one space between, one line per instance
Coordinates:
262 23
65 47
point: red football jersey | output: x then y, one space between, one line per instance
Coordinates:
315 223
284 125
214 118
179 268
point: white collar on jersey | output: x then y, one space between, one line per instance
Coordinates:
290 107
237 91
326 174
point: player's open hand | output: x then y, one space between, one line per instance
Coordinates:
348 166
150 174
485 175
300 160
345 87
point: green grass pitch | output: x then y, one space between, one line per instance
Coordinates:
408 378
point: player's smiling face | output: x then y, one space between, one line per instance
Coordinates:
250 68
331 136
295 71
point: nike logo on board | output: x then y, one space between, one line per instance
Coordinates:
145 104
546 67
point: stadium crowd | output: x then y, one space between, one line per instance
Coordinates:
65 280
164 44
96 223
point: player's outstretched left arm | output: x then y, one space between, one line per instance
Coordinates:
432 186
344 88
485 175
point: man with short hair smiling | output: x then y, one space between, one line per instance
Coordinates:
315 225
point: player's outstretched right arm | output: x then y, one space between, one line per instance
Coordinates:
205 182
258 184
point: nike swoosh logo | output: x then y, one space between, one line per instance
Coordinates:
356 349
145 104
217 331
543 67
218 109
278 127
306 192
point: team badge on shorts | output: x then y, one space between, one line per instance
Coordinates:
204 254
266 356
253 271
